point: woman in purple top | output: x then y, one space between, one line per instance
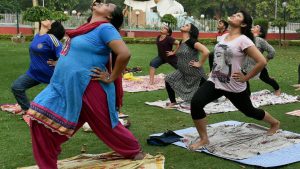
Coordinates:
165 51
226 78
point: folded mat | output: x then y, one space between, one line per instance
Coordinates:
165 139
12 108
251 146
108 161
141 83
294 113
260 98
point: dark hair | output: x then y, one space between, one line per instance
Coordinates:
194 32
169 31
117 18
225 23
88 20
248 22
57 29
262 32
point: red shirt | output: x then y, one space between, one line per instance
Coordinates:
220 34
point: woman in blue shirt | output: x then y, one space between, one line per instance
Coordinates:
73 98
44 51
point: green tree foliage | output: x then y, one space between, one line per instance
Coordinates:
279 23
212 8
169 19
59 16
61 5
262 22
6 6
293 10
37 14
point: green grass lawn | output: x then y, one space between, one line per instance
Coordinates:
15 143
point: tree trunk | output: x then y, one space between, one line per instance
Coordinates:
280 43
36 24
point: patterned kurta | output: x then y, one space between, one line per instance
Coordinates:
186 80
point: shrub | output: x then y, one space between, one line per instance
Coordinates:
59 16
169 19
262 22
37 14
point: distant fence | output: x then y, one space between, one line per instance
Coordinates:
204 25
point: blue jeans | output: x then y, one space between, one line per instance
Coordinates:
19 88
158 61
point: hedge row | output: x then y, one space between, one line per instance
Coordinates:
203 41
152 40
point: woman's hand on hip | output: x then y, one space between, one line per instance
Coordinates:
194 63
101 75
239 77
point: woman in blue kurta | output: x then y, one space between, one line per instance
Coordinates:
72 98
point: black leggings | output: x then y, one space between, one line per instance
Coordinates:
208 93
171 92
211 60
264 76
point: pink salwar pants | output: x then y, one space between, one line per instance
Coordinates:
46 144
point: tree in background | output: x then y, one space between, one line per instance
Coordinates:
61 5
37 14
280 23
59 16
262 22
169 19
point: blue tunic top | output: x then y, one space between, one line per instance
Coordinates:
59 104
43 48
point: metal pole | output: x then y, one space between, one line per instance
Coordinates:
17 13
43 3
137 21
276 9
284 11
18 29
130 16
